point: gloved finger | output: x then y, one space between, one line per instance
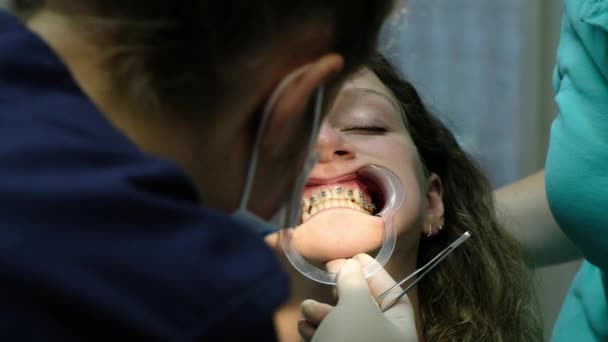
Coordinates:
306 330
334 266
314 312
351 284
402 311
272 240
381 280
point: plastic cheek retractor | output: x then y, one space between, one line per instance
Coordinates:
392 199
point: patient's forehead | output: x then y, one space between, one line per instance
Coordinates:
365 90
365 78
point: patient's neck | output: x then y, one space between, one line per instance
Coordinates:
403 262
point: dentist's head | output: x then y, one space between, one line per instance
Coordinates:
191 80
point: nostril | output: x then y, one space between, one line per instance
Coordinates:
341 153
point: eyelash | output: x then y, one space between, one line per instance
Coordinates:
369 129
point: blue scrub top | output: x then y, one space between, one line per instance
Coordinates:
577 165
99 241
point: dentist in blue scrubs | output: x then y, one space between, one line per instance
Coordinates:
126 130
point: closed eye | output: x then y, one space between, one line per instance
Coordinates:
366 129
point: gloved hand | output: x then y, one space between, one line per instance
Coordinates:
357 317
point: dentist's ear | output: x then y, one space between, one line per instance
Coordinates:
289 109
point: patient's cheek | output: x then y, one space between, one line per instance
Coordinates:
338 233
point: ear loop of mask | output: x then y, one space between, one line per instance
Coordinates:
287 214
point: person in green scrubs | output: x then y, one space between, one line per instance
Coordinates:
561 213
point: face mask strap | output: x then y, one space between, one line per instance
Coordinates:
294 209
255 150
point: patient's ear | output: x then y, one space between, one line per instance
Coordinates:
434 219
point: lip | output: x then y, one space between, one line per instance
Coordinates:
314 181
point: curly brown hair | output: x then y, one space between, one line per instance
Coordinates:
482 292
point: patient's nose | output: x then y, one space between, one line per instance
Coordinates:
332 146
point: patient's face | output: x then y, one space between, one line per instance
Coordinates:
365 126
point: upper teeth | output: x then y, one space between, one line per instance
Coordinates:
335 197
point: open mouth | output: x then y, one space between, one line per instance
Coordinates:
355 192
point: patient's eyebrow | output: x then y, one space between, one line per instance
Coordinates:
384 101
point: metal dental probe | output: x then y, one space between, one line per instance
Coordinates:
423 270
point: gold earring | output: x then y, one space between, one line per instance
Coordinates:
428 235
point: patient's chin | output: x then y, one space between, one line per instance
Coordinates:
338 233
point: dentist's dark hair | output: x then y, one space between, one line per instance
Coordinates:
183 55
483 291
